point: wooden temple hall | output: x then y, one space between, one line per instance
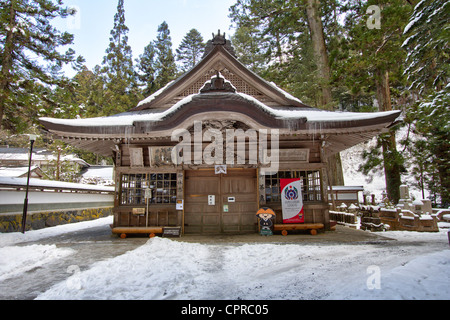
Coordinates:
207 151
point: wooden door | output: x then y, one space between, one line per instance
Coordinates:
239 201
235 201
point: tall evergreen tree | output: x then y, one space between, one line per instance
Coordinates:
120 93
428 34
165 64
371 70
146 70
314 15
247 47
428 69
84 98
88 91
30 61
272 23
190 50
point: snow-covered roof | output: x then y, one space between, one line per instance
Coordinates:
16 171
121 119
37 183
155 95
129 118
316 115
22 154
215 61
286 94
106 172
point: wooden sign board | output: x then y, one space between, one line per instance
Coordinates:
138 211
136 157
290 155
171 232
160 156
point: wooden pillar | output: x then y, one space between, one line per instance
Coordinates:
180 196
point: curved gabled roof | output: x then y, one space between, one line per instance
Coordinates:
217 59
208 105
347 128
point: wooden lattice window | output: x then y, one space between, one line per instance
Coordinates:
163 188
237 82
311 186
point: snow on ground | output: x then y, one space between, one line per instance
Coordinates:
16 260
424 278
167 269
416 266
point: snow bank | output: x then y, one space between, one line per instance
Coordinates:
13 238
167 269
172 269
16 260
161 269
374 183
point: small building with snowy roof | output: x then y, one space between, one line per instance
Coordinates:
209 149
17 157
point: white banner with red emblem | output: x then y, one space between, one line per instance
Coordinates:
292 200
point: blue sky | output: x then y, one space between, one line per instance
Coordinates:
94 21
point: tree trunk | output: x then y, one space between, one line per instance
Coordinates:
320 52
392 166
335 170
7 62
443 168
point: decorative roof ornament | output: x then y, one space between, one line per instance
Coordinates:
217 84
219 40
